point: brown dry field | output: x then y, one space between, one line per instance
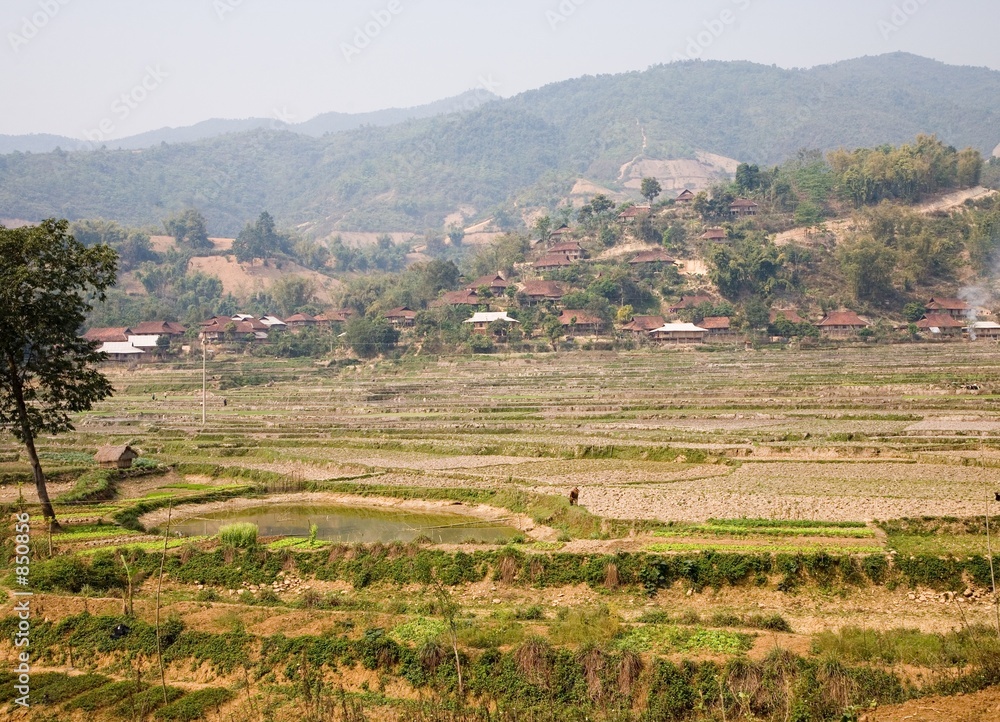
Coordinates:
854 433
844 434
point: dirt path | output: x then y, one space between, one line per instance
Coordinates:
838 227
954 200
979 707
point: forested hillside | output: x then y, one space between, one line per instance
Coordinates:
318 126
527 150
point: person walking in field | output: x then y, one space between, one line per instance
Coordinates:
574 496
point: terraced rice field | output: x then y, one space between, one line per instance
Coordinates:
851 434
773 484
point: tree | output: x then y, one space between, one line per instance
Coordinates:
868 267
370 338
456 235
259 240
970 168
48 284
543 226
748 178
651 188
601 204
188 228
291 293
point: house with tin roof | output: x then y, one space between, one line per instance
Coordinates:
483 320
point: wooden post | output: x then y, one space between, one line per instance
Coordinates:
159 586
993 578
204 380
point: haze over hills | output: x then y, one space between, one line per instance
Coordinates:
320 125
526 151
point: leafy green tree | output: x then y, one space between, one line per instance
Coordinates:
133 246
48 283
499 255
311 254
601 204
748 178
259 240
456 235
291 293
369 338
868 267
750 266
650 189
969 168
543 227
189 228
913 312
756 314
436 276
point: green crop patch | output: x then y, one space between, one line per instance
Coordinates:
665 639
194 705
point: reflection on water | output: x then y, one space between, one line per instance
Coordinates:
352 524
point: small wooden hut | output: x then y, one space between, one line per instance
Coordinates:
116 457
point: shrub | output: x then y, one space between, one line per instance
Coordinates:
240 536
529 614
193 706
53 688
72 573
105 696
96 485
771 622
145 702
377 650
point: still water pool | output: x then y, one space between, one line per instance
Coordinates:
352 524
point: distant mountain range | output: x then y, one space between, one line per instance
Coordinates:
409 174
317 127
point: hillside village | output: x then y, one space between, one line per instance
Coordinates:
765 258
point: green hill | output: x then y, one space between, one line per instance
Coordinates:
529 149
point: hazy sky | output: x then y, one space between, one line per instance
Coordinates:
65 65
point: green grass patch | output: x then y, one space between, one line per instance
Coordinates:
737 529
972 645
90 532
95 485
195 705
939 536
584 626
297 543
142 704
146 546
106 696
775 548
242 535
664 639
417 631
55 688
